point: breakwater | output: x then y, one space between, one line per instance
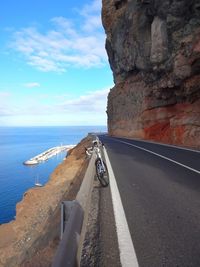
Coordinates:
47 154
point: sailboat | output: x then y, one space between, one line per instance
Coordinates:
37 182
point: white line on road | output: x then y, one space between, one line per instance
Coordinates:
161 156
127 252
162 144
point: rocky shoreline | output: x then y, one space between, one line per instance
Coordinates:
32 239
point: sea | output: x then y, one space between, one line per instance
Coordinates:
18 144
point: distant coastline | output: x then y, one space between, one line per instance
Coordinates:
38 218
23 143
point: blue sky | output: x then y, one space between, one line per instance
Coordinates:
54 67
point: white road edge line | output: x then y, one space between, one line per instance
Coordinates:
161 156
162 144
127 252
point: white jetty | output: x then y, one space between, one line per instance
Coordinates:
47 154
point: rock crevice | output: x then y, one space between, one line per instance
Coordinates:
154 52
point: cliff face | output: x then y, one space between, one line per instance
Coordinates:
154 52
32 239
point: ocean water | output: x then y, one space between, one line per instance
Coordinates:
18 144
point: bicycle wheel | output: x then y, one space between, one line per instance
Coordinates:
102 174
98 168
105 178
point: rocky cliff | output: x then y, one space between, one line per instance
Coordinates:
32 239
154 52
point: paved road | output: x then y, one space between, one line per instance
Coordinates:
161 200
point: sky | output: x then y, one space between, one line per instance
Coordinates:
54 67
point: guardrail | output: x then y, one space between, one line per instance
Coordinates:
74 216
71 225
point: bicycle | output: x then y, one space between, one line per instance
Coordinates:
100 165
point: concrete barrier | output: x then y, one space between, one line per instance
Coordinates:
74 217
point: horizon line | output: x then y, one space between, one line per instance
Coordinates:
2 126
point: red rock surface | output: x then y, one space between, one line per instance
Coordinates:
154 53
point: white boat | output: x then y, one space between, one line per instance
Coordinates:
37 182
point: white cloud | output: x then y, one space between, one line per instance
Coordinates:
89 108
94 7
91 102
92 15
66 44
32 85
64 25
4 94
92 23
6 109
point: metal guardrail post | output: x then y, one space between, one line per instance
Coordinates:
66 209
67 250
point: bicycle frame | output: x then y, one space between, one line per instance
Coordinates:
101 169
98 156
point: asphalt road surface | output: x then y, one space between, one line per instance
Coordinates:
161 200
